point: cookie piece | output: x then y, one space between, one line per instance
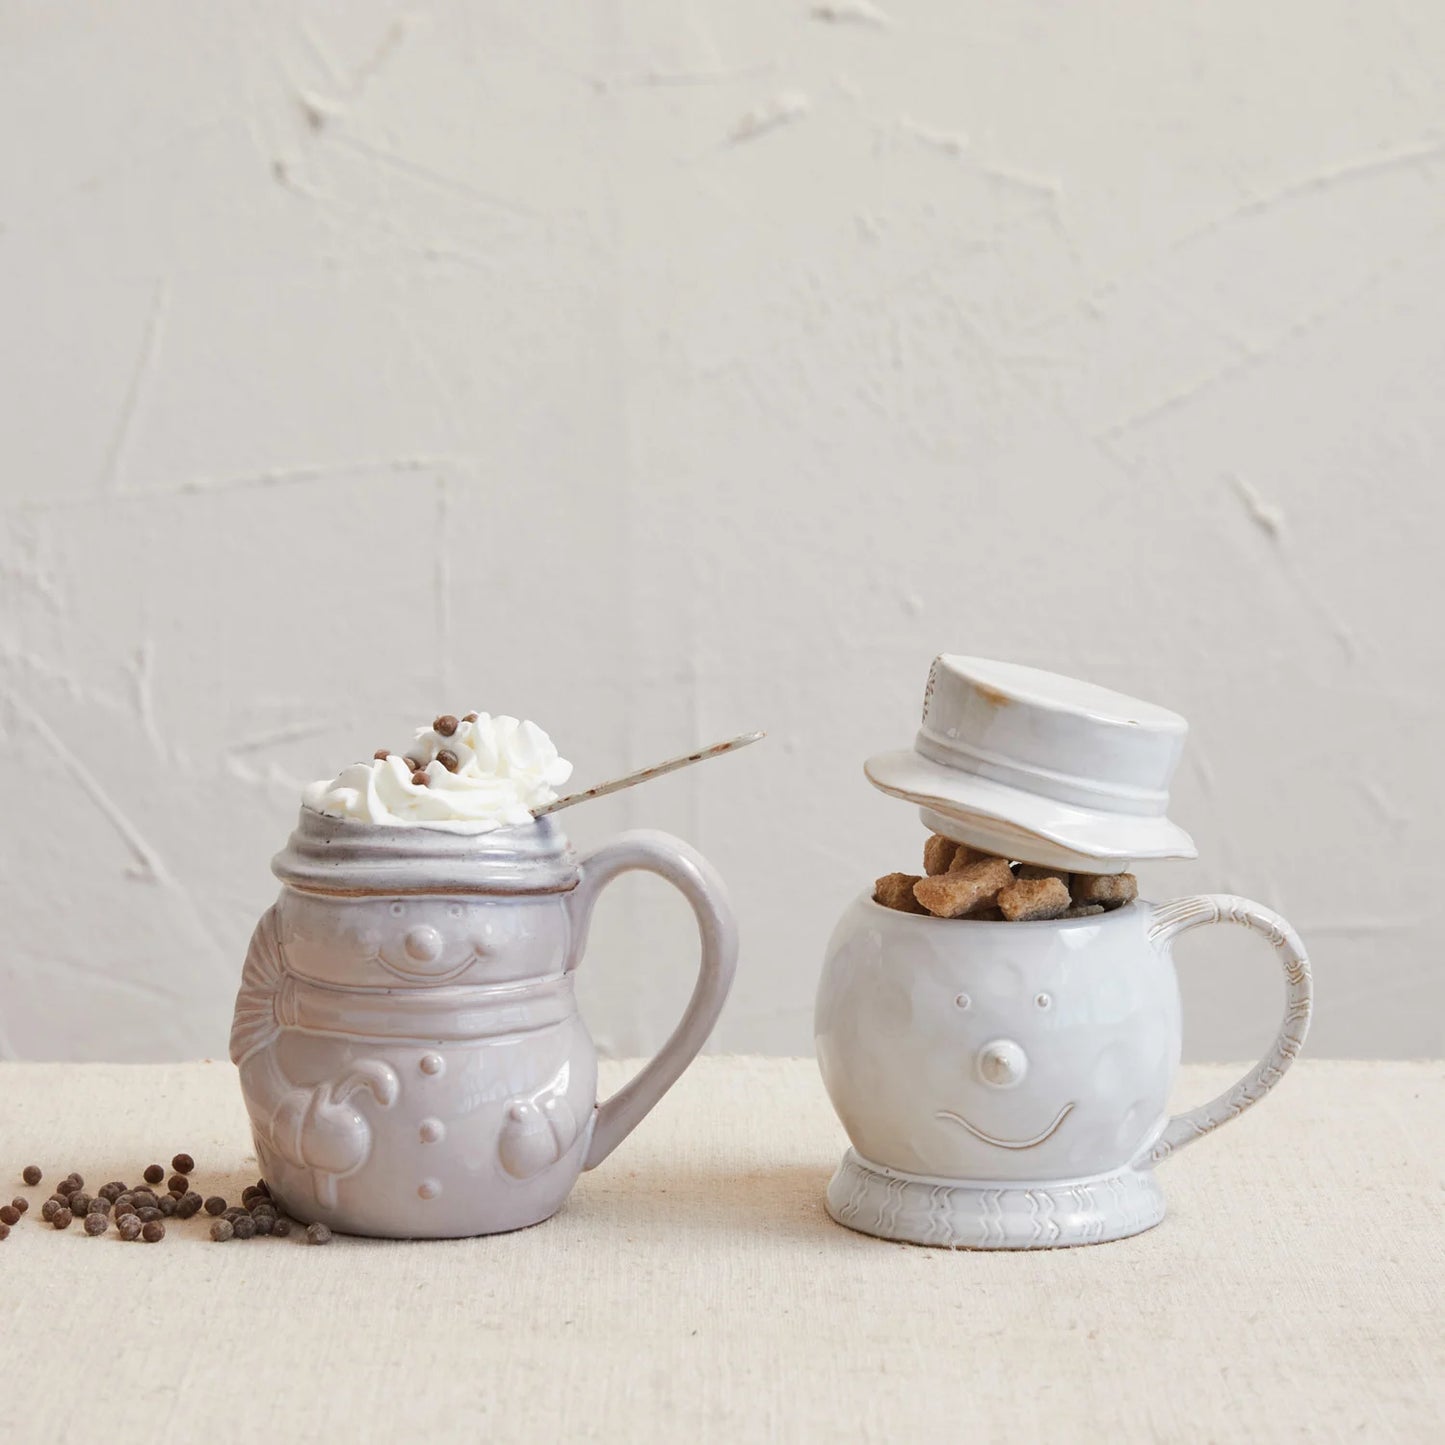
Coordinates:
1113 890
895 890
1027 899
964 890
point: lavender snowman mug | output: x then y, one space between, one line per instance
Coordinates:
408 1040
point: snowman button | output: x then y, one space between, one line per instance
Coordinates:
423 943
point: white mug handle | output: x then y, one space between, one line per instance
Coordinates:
698 881
1171 919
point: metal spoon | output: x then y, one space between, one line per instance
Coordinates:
644 775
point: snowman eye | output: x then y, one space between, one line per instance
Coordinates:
397 909
962 1001
1043 1000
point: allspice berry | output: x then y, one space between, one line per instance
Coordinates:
9 1214
215 1205
281 1228
449 760
96 1223
4 1231
20 1202
79 1202
153 1232
244 1227
128 1226
189 1204
263 1223
154 1174
167 1206
145 1196
112 1191
317 1233
66 1188
32 1175
446 724
62 1218
99 1205
221 1230
183 1164
178 1184
49 1209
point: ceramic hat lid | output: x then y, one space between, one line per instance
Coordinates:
1035 766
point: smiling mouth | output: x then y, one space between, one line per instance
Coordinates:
1009 1143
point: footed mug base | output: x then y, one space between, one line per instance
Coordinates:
917 1210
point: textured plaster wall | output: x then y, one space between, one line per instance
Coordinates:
661 371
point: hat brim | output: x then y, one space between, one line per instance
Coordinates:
1002 819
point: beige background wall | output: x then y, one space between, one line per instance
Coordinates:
660 371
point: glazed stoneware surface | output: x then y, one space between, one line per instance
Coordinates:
407 1034
1006 1084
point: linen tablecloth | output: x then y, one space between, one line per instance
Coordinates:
694 1289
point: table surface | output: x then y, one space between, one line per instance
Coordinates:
694 1289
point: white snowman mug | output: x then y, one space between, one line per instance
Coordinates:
406 1030
1005 1085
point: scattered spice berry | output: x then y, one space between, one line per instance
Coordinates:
32 1175
124 1205
249 1193
183 1164
154 1174
178 1184
188 1205
66 1188
20 1202
153 1232
263 1223
145 1196
234 1213
99 1205
446 724
9 1214
79 1202
128 1226
215 1205
148 1214
112 1191
167 1206
96 1223
449 760
4 1231
49 1209
317 1233
244 1227
221 1230
281 1228
421 779
261 1187
62 1218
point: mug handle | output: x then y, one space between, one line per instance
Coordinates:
1171 919
698 881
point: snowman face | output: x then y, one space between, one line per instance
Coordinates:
998 1051
418 940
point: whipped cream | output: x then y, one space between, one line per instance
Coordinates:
481 772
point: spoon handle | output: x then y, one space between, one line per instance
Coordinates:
643 775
